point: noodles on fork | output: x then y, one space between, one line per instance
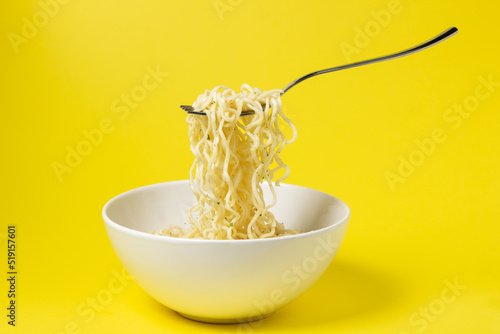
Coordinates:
233 156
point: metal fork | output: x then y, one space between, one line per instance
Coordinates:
439 38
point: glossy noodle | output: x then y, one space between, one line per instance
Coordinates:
233 156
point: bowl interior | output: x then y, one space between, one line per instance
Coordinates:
161 205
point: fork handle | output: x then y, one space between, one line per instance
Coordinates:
439 38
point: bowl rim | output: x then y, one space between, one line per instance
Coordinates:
135 233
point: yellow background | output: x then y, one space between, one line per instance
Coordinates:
405 243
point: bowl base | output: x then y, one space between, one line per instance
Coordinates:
226 321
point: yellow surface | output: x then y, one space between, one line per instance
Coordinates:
422 250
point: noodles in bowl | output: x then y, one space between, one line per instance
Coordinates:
224 281
234 155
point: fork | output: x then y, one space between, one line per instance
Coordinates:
439 38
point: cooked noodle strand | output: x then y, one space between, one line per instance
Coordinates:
233 156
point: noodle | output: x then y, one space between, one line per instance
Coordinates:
233 156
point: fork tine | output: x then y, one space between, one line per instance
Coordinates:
190 110
197 113
187 108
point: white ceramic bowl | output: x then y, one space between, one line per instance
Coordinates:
224 281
